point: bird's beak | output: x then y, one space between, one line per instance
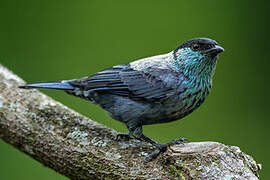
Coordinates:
214 51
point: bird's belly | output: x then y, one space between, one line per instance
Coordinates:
174 110
127 110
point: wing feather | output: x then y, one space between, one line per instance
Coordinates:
122 80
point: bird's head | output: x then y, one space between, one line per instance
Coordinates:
197 57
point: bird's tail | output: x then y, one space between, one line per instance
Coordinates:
60 85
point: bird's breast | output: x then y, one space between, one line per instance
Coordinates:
190 97
194 94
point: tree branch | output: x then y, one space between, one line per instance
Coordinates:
80 148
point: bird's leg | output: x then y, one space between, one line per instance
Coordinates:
134 132
160 147
137 133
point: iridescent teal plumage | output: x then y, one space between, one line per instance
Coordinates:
198 70
153 90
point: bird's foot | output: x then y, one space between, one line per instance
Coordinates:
176 141
123 136
162 148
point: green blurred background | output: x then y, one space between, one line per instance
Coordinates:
54 40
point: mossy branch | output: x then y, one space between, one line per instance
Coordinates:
80 148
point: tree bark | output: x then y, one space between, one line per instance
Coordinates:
80 148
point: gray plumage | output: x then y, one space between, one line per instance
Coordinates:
153 90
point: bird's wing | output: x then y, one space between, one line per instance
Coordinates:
122 80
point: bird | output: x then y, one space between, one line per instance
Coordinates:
153 90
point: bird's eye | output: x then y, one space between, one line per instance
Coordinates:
195 47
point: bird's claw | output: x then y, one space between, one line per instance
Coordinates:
152 156
162 148
123 136
177 141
